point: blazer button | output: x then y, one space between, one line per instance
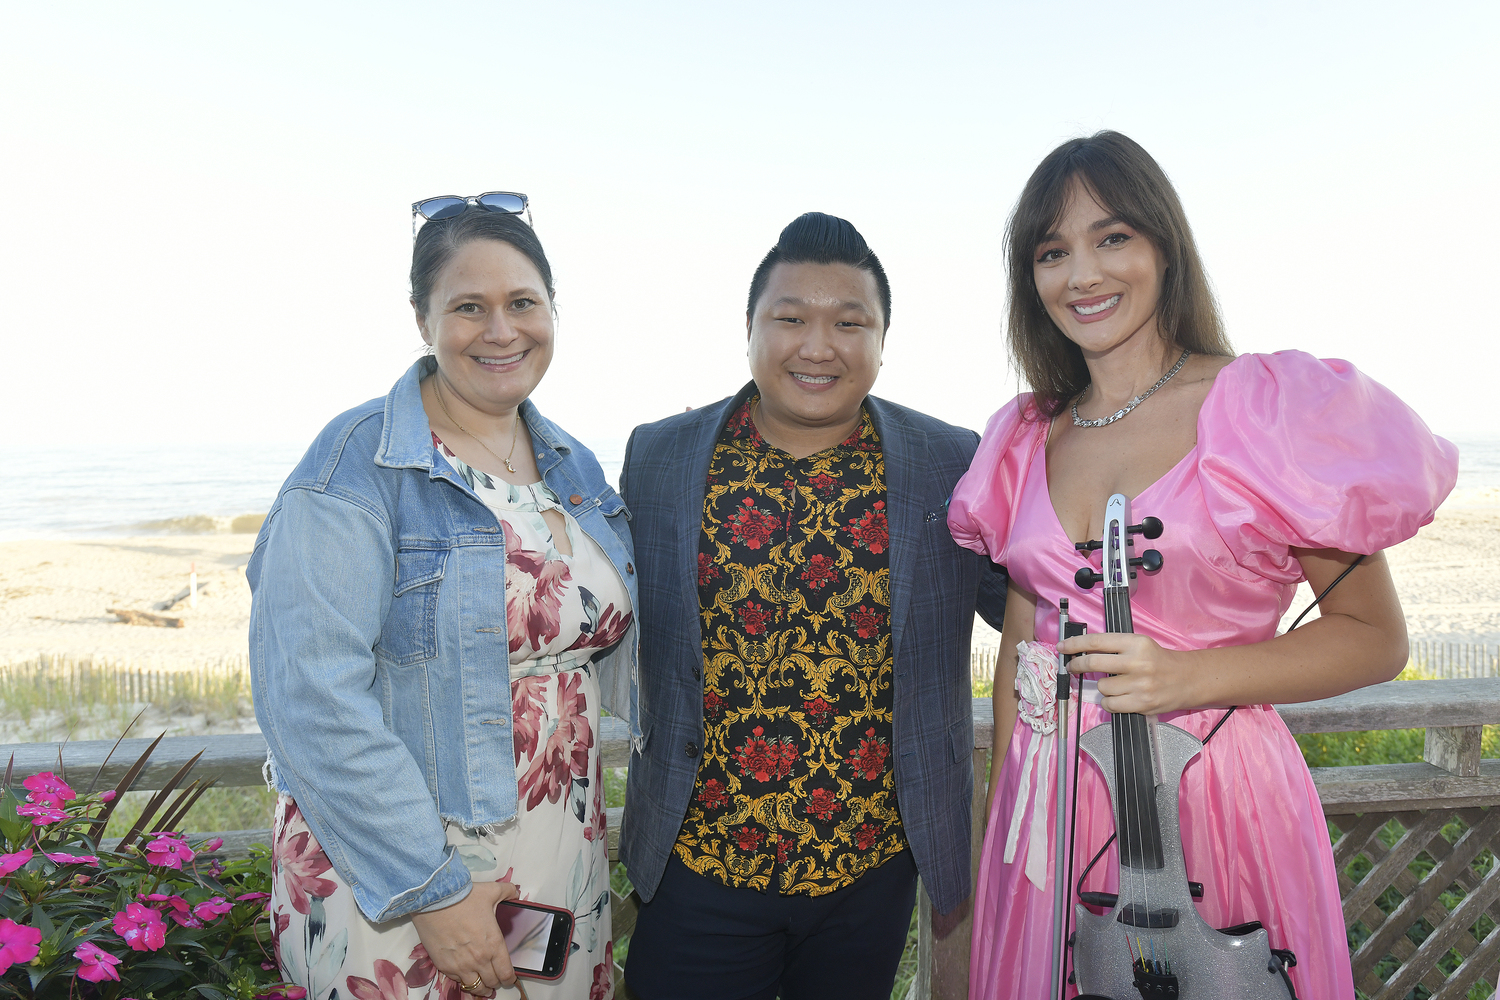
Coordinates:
691 749
575 499
697 674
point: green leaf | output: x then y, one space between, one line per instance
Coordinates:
211 992
41 921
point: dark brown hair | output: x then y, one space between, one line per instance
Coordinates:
1124 179
439 239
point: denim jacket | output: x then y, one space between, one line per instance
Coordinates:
378 649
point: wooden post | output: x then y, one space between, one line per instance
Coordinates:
1454 749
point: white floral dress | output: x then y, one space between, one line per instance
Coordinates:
560 612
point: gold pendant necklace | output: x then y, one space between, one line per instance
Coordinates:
514 426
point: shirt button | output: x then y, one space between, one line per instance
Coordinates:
691 749
575 499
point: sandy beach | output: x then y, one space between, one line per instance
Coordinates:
53 594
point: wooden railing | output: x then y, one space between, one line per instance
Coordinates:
1415 844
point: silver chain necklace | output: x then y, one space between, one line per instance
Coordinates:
1137 401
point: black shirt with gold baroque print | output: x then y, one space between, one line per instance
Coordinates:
795 792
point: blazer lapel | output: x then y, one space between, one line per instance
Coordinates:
694 452
904 449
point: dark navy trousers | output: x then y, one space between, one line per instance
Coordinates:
699 939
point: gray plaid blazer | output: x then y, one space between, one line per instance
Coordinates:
935 587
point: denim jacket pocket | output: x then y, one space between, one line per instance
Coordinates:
409 633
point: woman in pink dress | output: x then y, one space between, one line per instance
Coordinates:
1266 470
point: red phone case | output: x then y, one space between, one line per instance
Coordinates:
562 913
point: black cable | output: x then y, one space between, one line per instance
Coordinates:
1338 580
1217 725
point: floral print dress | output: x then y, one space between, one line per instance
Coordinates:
561 611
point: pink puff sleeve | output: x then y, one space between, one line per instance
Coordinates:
982 508
1300 452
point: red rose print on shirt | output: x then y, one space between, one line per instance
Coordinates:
766 759
823 483
819 572
817 710
783 848
749 838
754 617
713 706
869 760
867 622
751 526
707 571
866 835
822 803
712 795
871 531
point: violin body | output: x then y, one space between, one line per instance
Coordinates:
1151 941
1207 963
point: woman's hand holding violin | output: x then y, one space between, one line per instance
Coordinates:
1145 678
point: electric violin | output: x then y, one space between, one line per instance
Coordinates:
1150 940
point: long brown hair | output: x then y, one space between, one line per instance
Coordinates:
1124 179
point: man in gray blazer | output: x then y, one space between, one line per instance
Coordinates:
805 629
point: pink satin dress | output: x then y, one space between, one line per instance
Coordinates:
1292 452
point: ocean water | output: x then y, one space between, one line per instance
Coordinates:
135 490
118 491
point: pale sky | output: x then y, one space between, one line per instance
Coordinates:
207 205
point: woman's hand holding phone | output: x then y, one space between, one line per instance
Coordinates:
463 941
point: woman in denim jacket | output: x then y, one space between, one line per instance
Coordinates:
443 600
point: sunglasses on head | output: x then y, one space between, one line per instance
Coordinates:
447 206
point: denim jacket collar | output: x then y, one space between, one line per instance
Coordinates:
406 440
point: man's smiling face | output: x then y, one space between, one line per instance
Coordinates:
815 342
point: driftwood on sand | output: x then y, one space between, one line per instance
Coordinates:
181 596
130 617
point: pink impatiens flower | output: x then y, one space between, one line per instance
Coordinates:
74 859
213 845
212 909
41 813
11 862
48 787
141 927
18 943
170 850
251 897
177 908
98 964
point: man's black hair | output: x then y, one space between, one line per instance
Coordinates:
816 238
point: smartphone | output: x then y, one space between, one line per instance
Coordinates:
538 937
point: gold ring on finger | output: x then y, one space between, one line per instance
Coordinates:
477 984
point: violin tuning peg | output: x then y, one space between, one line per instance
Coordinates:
1151 561
1093 546
1086 578
1149 526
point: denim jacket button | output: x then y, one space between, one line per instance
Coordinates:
630 569
575 499
691 749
